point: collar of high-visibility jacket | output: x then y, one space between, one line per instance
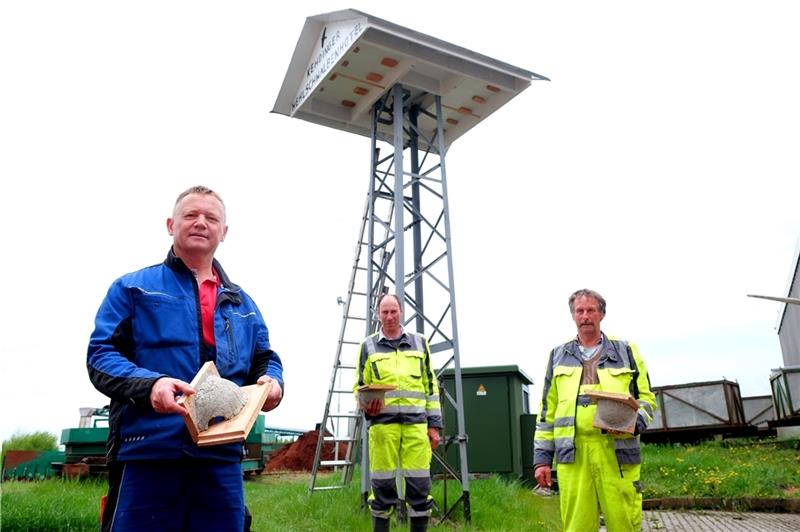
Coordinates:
383 337
589 352
585 353
609 350
602 342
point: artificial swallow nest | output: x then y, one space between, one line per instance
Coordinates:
616 416
216 397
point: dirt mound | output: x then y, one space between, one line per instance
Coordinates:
299 456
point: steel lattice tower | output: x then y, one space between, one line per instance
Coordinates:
412 95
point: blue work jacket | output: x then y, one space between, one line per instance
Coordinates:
148 327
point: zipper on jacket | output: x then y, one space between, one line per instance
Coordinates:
229 335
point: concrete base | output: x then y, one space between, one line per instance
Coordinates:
705 520
789 433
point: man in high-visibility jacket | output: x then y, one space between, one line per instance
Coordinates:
598 470
404 426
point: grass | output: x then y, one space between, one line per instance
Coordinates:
496 504
282 503
722 469
53 504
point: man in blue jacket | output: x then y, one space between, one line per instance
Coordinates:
154 330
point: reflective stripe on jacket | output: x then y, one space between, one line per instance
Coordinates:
406 366
620 370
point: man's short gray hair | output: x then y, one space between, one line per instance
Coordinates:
200 189
585 292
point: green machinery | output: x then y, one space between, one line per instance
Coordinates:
85 450
255 457
30 465
85 445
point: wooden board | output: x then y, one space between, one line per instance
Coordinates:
368 392
618 397
377 388
230 430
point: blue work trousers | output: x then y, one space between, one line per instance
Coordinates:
196 495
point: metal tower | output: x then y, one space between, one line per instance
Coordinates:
412 95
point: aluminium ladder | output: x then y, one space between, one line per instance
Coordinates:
342 422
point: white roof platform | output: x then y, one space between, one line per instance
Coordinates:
347 60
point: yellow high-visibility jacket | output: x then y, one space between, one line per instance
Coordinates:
620 370
406 364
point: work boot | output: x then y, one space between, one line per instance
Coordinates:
419 524
379 524
248 519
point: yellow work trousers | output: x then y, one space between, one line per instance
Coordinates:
407 446
596 482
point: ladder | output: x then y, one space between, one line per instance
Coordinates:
342 422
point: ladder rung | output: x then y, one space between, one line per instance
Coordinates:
350 342
346 366
342 391
359 293
359 318
334 438
345 415
328 488
325 463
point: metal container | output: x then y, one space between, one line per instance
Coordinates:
785 384
527 429
494 399
758 410
697 410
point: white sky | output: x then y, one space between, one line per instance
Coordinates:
659 167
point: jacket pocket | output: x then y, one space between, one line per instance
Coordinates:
566 380
619 380
559 371
412 364
382 367
162 320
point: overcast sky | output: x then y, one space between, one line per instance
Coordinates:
659 167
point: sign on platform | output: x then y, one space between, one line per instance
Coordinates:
333 43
